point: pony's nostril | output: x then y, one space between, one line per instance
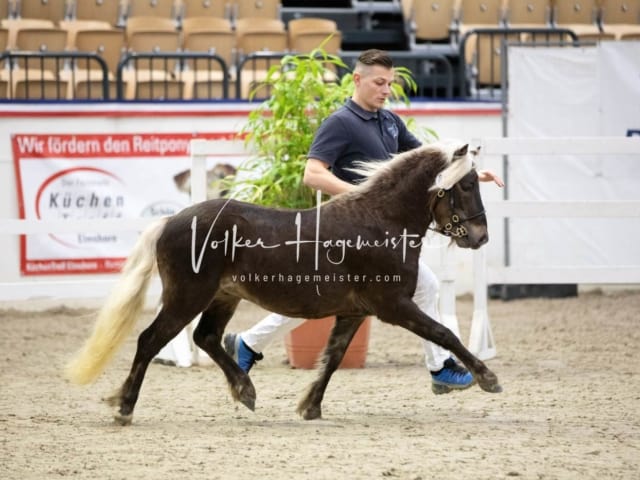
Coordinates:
483 239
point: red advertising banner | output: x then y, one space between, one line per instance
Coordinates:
92 176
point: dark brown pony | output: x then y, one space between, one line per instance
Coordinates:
337 259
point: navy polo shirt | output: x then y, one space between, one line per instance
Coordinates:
353 134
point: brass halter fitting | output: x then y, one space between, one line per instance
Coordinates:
453 228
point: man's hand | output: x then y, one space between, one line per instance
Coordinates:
489 176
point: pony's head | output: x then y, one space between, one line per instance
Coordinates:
455 204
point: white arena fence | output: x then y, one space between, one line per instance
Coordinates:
481 338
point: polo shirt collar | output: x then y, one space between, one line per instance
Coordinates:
361 112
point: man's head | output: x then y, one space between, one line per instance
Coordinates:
373 77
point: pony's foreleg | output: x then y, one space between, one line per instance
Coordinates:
208 336
408 315
341 335
165 326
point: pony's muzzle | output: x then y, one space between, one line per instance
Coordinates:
477 243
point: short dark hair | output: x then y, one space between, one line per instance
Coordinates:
375 57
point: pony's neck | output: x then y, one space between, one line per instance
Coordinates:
399 193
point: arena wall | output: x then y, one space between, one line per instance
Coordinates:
449 120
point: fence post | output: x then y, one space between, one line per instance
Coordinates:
481 342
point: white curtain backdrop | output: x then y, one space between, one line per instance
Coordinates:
591 91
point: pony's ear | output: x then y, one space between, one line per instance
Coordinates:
461 152
459 166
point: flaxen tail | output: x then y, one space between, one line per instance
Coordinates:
121 310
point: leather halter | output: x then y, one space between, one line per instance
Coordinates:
454 227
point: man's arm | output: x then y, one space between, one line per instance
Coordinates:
318 176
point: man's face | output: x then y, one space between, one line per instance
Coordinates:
373 86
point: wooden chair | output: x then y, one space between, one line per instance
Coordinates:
111 11
42 40
74 26
621 18
528 13
148 24
432 20
581 16
87 78
152 35
152 8
473 13
482 51
206 8
14 25
35 78
258 35
308 33
204 79
54 10
256 9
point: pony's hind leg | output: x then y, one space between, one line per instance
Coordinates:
208 336
343 331
166 325
407 314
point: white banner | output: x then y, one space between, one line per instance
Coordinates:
619 86
591 91
90 176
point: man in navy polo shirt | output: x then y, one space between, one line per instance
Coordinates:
361 130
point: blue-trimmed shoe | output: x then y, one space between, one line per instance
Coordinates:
240 352
451 376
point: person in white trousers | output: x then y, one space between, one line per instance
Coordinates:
360 130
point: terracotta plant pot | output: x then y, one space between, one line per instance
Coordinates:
306 343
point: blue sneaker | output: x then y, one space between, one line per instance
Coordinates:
240 352
451 376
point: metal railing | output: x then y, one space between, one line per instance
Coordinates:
58 75
257 64
168 73
45 75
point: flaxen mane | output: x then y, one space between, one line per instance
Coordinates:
402 164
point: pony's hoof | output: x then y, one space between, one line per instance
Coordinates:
246 395
489 383
250 403
311 413
495 388
123 420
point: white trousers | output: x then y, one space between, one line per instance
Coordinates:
275 326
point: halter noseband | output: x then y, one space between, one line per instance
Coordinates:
453 228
